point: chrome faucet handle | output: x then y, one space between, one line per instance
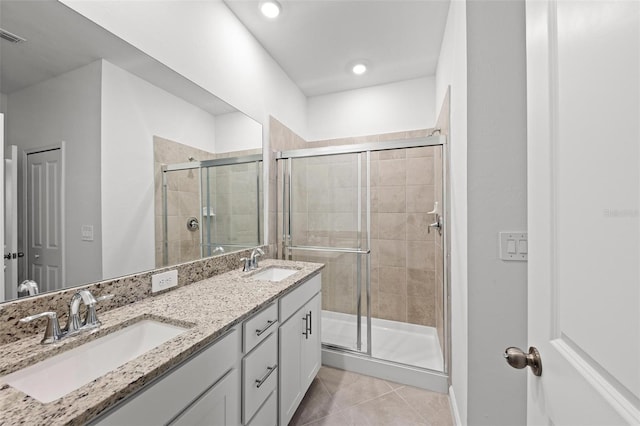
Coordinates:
53 333
91 319
247 264
255 254
74 324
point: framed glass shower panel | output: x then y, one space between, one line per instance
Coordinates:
230 207
327 218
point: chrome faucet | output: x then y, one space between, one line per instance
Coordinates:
255 254
74 324
251 262
54 333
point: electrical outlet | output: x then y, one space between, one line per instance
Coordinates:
164 280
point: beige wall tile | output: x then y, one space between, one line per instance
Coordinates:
421 283
421 254
418 227
392 253
392 199
393 279
420 198
420 171
392 306
421 310
392 226
392 172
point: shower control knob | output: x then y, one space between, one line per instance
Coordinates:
519 359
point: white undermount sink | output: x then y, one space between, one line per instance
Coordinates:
274 274
55 377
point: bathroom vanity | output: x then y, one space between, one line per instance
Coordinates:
249 351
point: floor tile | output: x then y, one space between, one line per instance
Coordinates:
341 398
432 406
349 388
317 403
386 410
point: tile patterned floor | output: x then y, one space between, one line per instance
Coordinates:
341 398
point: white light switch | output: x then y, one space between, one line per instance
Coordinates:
513 245
522 246
87 232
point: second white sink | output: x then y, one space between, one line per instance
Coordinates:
274 274
55 377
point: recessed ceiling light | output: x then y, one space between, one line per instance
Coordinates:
359 69
270 8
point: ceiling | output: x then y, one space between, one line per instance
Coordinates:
59 40
317 41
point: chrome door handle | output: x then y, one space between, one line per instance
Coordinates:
264 378
306 326
309 323
266 327
518 359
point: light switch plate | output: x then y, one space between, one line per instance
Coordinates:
87 232
164 280
513 245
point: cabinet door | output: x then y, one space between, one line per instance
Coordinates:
217 406
311 344
290 357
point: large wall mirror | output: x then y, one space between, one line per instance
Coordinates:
113 163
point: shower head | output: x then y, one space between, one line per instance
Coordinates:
192 158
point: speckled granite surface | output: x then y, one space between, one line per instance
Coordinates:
126 290
208 308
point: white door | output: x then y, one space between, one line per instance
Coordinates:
44 219
11 224
583 90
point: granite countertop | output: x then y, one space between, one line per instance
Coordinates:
207 308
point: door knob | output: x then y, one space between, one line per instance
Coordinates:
518 359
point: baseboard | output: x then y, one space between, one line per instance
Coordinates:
455 413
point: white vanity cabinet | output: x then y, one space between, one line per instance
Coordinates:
205 389
300 345
255 375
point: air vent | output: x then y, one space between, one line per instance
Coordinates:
6 35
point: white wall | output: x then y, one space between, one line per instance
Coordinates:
394 107
497 195
205 42
236 132
452 71
133 111
66 108
3 103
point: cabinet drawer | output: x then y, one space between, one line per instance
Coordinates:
290 303
259 327
259 376
267 415
168 396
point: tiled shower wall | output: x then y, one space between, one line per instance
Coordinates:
404 256
234 196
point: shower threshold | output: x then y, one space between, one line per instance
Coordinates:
410 344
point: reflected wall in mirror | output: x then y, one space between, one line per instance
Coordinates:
82 109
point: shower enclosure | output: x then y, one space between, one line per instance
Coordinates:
374 215
210 207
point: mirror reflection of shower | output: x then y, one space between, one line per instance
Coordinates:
223 194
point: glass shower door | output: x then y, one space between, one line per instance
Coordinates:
326 220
